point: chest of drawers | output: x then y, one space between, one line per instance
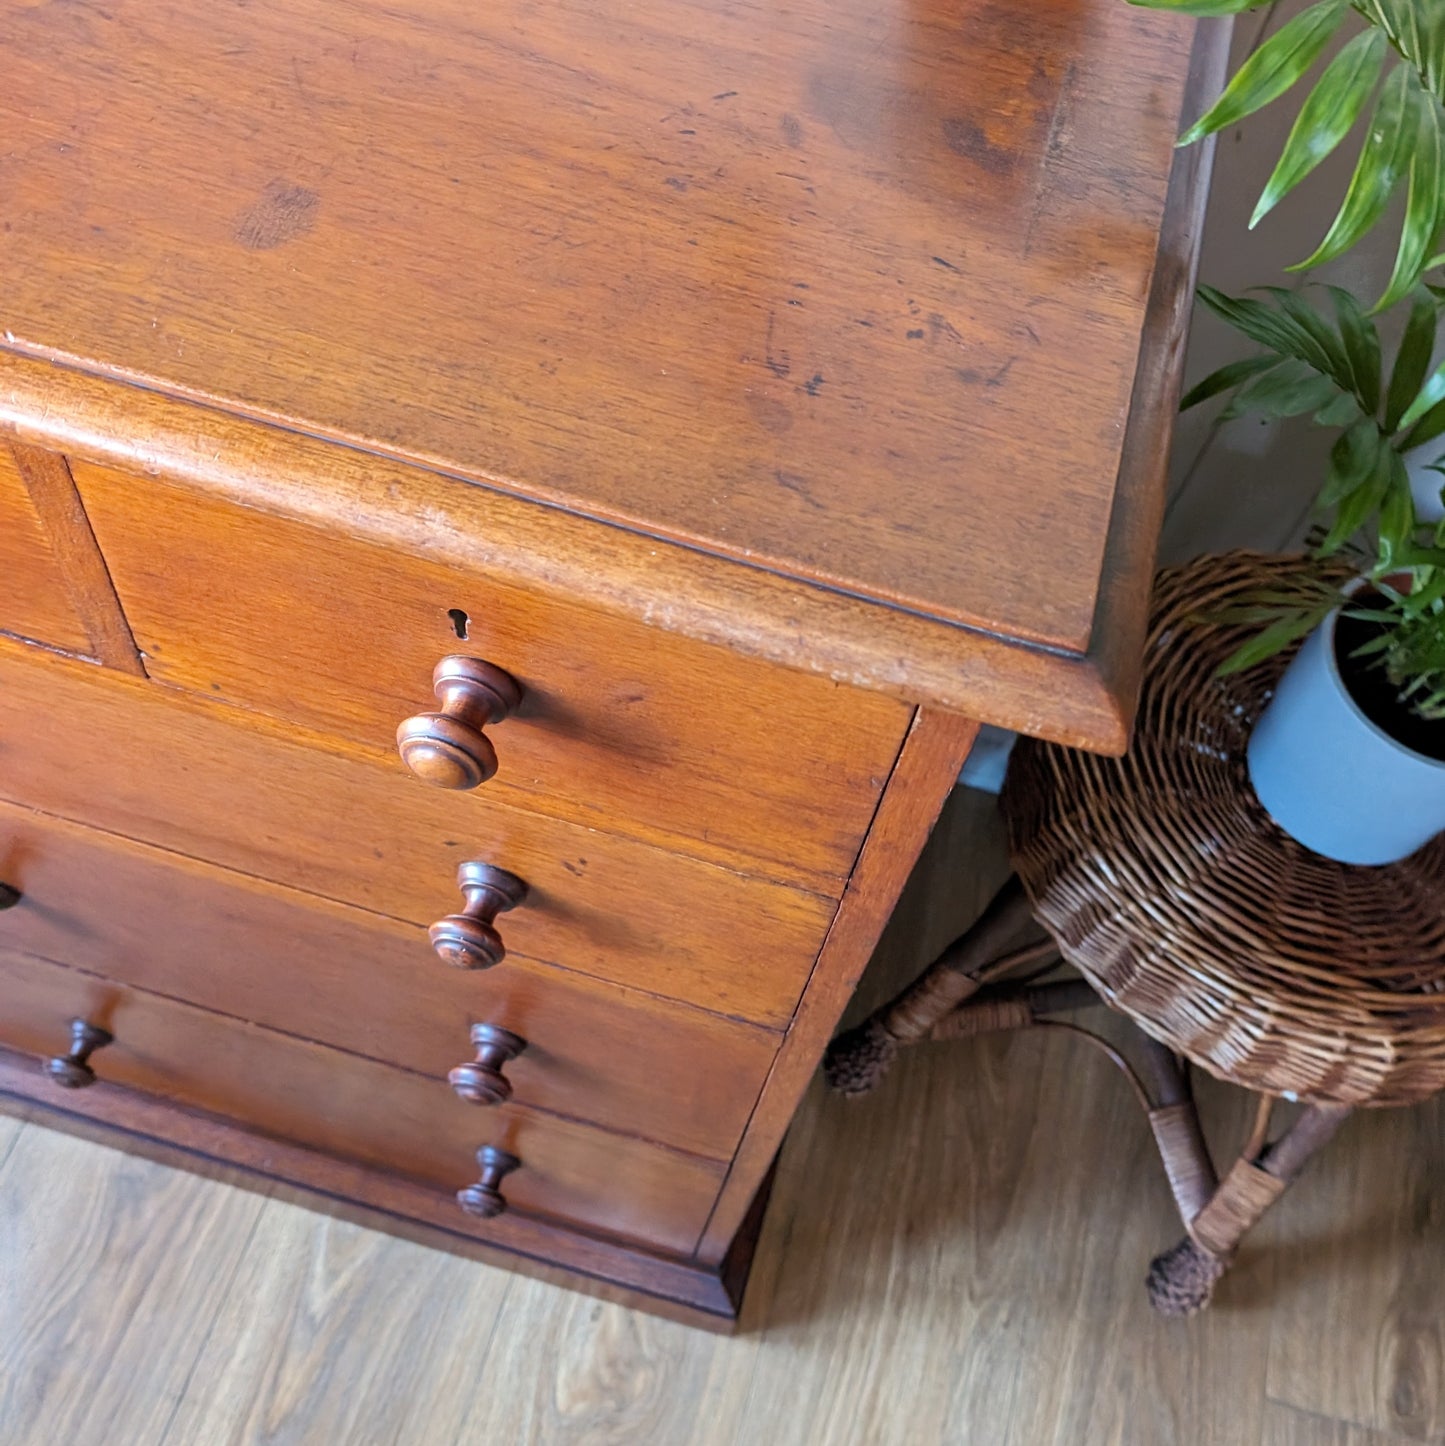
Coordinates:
509 524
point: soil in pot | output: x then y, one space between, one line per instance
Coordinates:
1375 695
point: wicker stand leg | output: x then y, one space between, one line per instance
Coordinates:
857 1061
1182 1280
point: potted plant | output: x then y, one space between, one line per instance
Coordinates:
1349 757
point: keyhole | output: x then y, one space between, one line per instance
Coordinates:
460 622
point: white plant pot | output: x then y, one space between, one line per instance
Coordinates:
1333 779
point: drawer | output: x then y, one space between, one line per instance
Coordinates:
33 600
622 727
295 1090
168 769
373 986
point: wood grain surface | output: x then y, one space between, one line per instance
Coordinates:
958 1259
34 600
178 1136
1284 1427
82 569
621 726
1087 701
115 1311
921 783
356 1109
195 778
802 287
1370 1247
616 1057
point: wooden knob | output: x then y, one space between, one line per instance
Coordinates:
9 896
73 1070
448 749
484 1199
481 1081
467 940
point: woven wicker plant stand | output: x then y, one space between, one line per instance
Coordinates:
1162 881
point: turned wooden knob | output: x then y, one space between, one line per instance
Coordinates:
448 749
481 1081
484 1199
73 1070
9 896
467 940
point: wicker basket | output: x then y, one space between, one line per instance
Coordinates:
1166 884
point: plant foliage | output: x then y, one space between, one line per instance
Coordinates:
1329 365
1404 133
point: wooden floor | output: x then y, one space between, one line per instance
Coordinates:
956 1259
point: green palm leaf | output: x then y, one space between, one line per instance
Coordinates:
1412 361
1427 190
1404 135
1326 117
1383 162
1272 69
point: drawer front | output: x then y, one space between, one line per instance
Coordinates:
622 727
374 986
33 601
156 765
357 1109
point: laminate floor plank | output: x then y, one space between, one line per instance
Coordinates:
331 1332
1362 1251
1284 1426
574 1370
10 1129
111 1270
976 1238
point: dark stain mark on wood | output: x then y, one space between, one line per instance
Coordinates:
725 95
792 129
283 212
942 328
972 377
677 183
948 264
966 138
798 486
769 413
814 384
778 363
917 334
997 379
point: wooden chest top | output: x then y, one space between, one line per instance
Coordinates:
853 292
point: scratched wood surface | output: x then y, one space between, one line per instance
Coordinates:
957 1259
803 284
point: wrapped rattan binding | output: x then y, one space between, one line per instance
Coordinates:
1185 1156
1239 1203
